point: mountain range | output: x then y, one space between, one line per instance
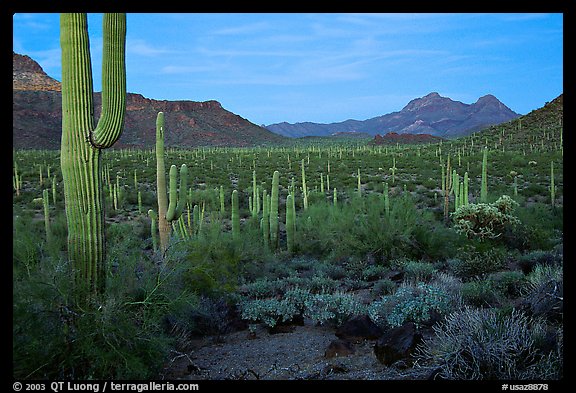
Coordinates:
431 114
37 118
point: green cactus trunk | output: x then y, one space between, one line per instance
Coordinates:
235 215
266 218
274 196
153 228
484 185
222 207
82 141
290 223
46 203
304 188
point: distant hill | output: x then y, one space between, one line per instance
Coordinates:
541 126
431 114
37 117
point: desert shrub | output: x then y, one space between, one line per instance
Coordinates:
320 307
410 303
418 271
480 293
267 311
483 344
332 307
508 283
530 260
374 272
384 287
544 292
262 288
485 220
472 262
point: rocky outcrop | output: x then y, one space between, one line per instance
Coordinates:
28 75
397 344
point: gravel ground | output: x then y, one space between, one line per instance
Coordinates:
295 355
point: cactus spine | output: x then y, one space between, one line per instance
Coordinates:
82 141
274 210
168 210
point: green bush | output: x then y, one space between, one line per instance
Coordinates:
121 337
473 263
480 293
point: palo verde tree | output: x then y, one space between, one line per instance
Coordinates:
82 141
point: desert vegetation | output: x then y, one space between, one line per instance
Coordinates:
460 242
275 234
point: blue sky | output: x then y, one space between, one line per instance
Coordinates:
323 67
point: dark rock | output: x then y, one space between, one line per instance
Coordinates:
395 275
397 343
359 328
339 348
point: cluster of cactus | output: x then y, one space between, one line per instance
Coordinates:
451 185
170 207
82 141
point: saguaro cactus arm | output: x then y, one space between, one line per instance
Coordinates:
177 201
111 120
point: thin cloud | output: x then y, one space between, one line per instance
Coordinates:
142 48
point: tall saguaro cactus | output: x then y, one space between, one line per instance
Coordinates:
169 207
82 141
274 195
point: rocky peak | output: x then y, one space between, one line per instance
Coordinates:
431 99
28 75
